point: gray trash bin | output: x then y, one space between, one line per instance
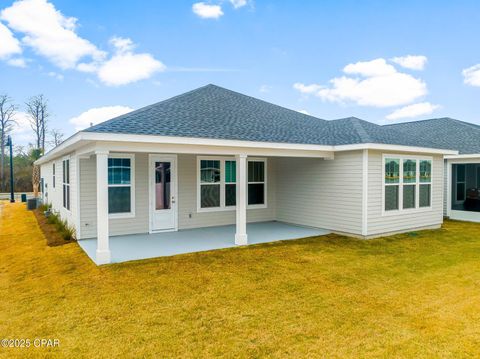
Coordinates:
24 197
32 203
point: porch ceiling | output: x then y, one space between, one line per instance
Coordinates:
142 246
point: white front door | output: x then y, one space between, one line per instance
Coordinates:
163 193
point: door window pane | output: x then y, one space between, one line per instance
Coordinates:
391 198
210 196
209 171
392 170
425 195
409 196
162 185
119 199
409 171
230 195
256 193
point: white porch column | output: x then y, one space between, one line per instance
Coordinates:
241 237
103 250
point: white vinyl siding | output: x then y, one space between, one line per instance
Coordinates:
55 194
88 204
321 193
378 222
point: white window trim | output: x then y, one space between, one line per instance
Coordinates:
417 184
130 214
67 158
222 183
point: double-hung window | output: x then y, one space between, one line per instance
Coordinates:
256 182
217 184
121 185
407 183
66 183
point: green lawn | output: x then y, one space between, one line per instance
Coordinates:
402 296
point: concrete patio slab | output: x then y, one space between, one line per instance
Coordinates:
141 246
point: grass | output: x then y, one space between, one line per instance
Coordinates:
402 296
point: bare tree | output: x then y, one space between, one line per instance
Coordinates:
37 109
57 137
7 112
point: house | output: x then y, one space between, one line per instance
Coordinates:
213 157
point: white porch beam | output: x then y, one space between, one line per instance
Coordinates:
241 237
103 249
209 150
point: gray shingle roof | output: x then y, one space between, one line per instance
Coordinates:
446 133
214 112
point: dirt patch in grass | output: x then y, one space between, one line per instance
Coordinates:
52 235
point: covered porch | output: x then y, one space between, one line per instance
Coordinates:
143 200
142 246
463 188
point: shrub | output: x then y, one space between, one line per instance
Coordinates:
66 231
43 207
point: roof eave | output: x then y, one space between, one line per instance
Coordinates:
392 147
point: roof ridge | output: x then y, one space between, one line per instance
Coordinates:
357 125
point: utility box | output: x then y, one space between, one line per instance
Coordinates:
32 203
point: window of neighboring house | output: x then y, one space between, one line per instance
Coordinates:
53 177
66 183
410 190
120 185
218 183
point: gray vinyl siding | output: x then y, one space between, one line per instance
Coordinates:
321 193
380 224
187 199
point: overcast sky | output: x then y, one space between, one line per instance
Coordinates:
383 61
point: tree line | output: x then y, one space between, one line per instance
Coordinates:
26 175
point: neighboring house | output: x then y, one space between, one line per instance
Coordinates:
213 157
